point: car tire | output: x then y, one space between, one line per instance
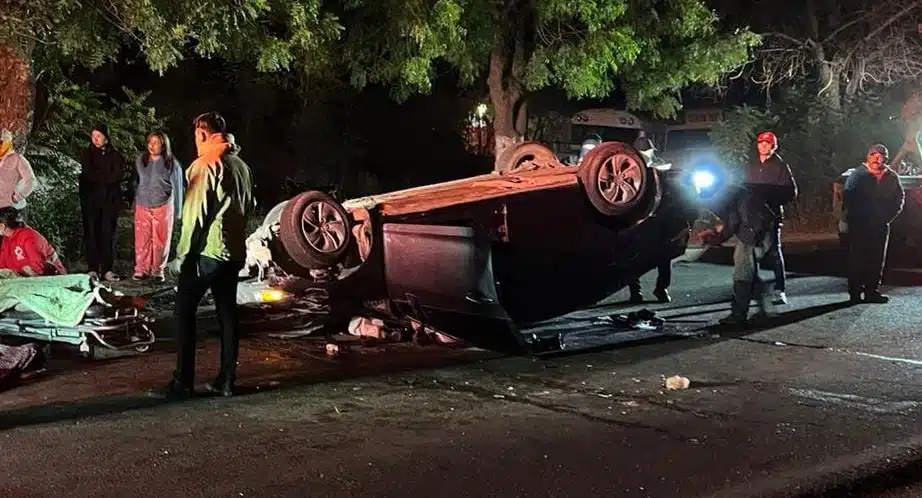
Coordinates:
315 230
527 156
618 182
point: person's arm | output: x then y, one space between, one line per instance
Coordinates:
85 160
31 243
135 178
26 183
196 213
788 179
179 189
851 201
894 200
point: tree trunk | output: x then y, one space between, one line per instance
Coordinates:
17 96
830 87
506 95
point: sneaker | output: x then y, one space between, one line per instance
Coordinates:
662 295
138 276
636 298
780 298
111 276
158 278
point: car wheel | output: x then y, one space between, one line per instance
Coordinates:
527 156
618 182
315 230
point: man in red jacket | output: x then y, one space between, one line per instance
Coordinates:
25 251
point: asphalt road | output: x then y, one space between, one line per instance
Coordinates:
822 401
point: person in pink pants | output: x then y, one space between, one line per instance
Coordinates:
158 198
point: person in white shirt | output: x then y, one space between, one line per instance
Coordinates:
16 177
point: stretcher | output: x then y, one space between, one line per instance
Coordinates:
94 319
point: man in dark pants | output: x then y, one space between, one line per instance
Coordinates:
873 198
769 171
211 252
750 218
671 222
101 200
663 281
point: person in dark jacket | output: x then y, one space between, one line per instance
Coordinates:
768 170
873 197
101 199
750 216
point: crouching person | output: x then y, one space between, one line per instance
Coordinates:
750 218
25 251
873 198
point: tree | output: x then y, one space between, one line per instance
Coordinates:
847 51
650 50
48 37
844 46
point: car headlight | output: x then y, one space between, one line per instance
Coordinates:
271 295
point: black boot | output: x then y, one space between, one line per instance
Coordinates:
875 297
761 298
854 294
636 294
739 310
662 295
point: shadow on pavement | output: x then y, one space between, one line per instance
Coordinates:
45 414
903 479
673 344
343 368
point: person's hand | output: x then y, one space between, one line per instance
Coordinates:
175 266
16 197
710 237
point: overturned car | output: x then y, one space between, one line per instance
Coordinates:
482 258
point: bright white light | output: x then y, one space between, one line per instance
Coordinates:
481 110
703 180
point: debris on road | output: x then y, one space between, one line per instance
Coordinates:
676 382
17 362
332 349
643 319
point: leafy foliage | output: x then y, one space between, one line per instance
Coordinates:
54 206
650 49
274 33
74 109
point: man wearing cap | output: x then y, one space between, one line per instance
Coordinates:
873 197
770 177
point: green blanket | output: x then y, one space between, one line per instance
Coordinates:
61 299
